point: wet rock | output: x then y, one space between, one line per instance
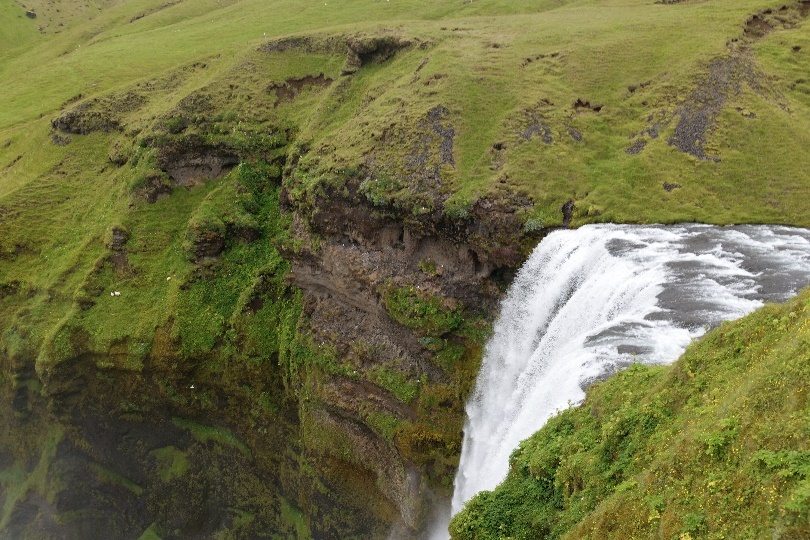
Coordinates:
568 212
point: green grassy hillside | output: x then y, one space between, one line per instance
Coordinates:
510 75
715 446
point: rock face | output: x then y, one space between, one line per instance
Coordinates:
191 161
365 252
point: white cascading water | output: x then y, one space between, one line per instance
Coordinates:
593 300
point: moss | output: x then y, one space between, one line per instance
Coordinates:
171 462
203 433
403 388
421 311
150 533
384 424
106 475
295 520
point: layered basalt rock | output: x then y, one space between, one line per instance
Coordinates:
364 251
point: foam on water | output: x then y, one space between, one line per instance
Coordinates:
593 300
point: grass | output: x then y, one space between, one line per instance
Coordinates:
172 462
714 446
421 311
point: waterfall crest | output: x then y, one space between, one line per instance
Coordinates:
593 300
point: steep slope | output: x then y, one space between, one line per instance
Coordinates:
309 212
715 446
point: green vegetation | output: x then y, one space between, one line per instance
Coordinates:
403 388
421 311
714 446
210 433
172 462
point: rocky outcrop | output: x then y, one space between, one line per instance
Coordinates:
190 160
365 50
364 251
99 114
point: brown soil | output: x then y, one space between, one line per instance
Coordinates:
290 88
670 186
99 114
190 160
376 49
581 105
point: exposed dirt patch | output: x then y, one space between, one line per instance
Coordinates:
633 88
445 131
766 21
574 133
727 76
536 58
537 127
327 44
154 186
98 114
13 162
430 149
118 251
533 123
10 288
434 79
670 186
583 105
498 153
290 88
374 49
190 160
60 140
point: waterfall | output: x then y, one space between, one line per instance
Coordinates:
593 300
